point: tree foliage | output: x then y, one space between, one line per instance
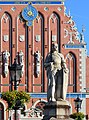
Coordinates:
14 98
77 116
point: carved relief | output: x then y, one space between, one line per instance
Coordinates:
5 17
73 27
37 63
21 61
38 18
21 38
5 38
53 17
65 33
71 38
54 38
36 110
70 21
37 38
6 55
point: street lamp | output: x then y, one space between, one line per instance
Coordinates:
78 103
15 73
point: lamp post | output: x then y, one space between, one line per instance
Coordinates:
15 74
78 103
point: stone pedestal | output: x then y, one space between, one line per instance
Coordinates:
59 110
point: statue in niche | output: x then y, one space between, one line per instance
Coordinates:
6 55
37 63
21 61
57 75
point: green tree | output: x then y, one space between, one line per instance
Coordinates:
77 116
15 98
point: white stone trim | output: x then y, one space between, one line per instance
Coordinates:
83 107
83 69
4 109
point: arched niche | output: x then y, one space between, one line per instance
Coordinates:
6 32
54 29
38 45
71 64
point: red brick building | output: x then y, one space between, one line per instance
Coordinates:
52 24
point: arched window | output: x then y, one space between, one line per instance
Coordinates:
71 63
1 111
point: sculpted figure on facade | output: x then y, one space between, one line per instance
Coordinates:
57 75
6 55
37 63
21 61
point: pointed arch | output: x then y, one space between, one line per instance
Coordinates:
2 110
71 63
6 37
54 29
6 20
42 49
38 40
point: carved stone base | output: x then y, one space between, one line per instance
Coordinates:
59 110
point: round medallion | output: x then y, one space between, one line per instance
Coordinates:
29 14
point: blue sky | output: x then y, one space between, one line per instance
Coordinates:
79 9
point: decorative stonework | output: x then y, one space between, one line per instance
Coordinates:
5 17
37 63
38 18
21 38
36 110
59 8
6 56
37 38
29 13
13 9
5 38
77 36
71 38
73 27
54 38
53 17
21 62
46 8
70 21
65 33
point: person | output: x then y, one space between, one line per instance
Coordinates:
55 67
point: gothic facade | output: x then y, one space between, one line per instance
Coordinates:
30 44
